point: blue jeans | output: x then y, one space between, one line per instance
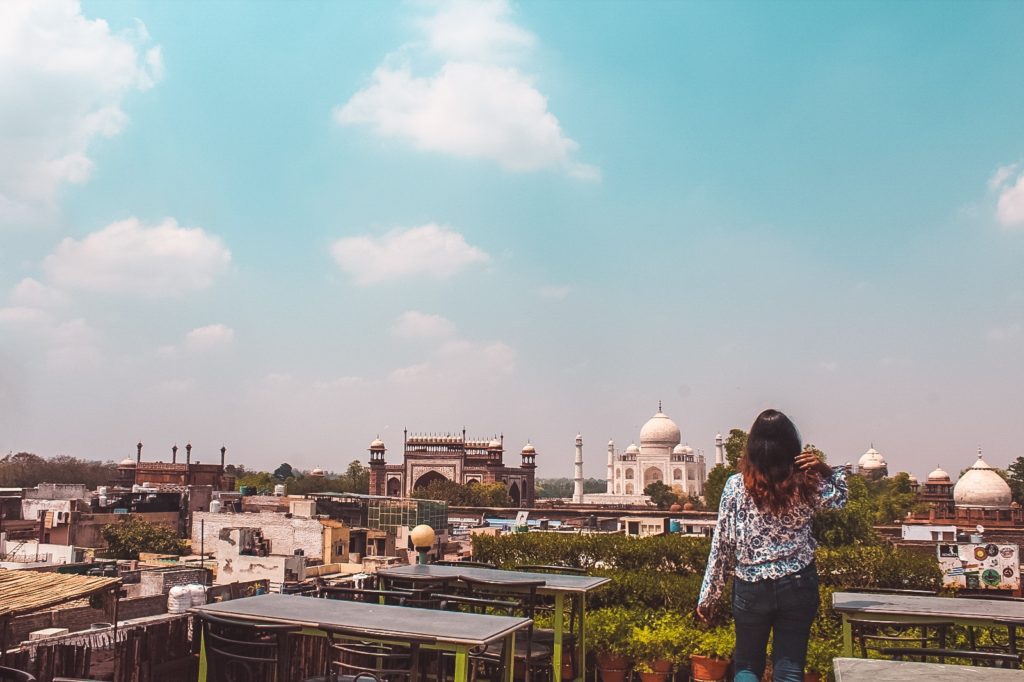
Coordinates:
785 606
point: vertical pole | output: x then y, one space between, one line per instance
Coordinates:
202 545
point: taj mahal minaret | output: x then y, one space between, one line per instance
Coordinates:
611 465
577 491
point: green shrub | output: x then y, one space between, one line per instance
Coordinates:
719 642
663 553
609 629
861 566
668 635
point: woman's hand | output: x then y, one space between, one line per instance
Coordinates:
704 614
809 461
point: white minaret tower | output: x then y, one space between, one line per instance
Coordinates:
577 490
719 450
611 460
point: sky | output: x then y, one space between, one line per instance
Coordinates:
290 228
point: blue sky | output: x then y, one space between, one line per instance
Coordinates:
291 227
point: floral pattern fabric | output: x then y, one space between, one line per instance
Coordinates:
756 546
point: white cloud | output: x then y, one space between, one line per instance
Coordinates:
476 29
828 365
127 257
32 293
1008 183
460 361
209 337
413 324
553 291
429 250
21 316
473 106
63 80
1010 332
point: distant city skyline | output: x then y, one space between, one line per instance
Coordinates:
289 228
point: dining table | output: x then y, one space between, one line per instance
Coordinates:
877 670
447 631
917 608
557 585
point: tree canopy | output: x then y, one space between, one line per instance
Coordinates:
471 495
563 487
26 470
133 535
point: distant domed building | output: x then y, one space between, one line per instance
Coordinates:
982 488
872 465
661 456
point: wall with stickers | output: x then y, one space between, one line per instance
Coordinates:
982 566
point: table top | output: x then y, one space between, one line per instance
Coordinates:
553 582
873 670
926 607
368 619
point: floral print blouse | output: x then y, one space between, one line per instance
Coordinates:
756 546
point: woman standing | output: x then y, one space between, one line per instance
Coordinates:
763 538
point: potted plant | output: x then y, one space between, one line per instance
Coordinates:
608 634
820 652
659 644
712 653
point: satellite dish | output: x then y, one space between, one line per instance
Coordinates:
980 528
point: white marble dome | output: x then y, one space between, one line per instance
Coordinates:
127 462
660 430
938 476
377 443
528 449
317 472
981 487
495 443
870 460
632 449
679 450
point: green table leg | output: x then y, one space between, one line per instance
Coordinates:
461 663
202 656
559 624
847 638
581 644
510 658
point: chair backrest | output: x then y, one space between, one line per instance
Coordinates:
989 659
241 651
354 658
552 568
875 635
12 675
392 597
420 587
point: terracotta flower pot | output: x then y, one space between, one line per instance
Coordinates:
654 677
812 676
708 669
613 667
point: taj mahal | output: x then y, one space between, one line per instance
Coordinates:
661 456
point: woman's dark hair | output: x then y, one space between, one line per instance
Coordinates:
769 475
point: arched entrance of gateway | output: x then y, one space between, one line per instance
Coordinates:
428 478
514 494
394 487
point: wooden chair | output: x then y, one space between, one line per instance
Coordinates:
420 588
875 635
241 651
391 597
12 675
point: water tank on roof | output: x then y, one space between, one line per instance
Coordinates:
279 490
102 490
215 506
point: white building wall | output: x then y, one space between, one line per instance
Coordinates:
285 535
